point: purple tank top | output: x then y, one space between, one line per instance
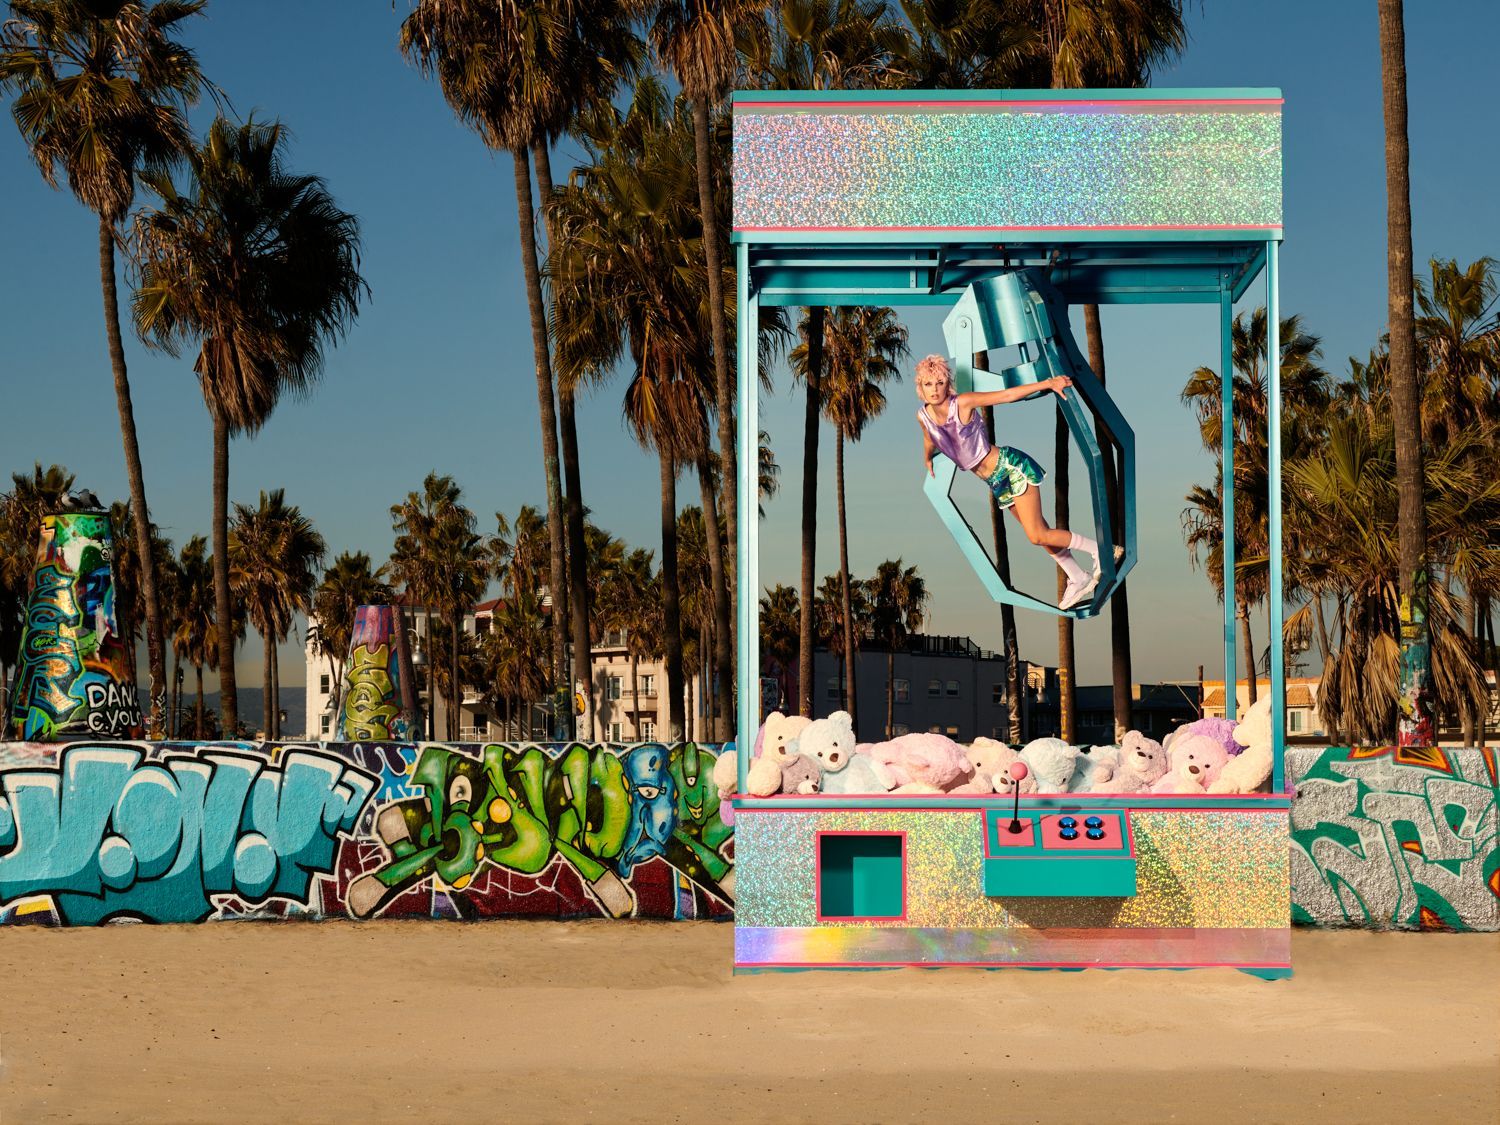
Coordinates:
964 445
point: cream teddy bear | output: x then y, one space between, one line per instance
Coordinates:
1249 771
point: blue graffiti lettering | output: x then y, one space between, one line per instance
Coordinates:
108 834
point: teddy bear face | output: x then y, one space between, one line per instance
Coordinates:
1142 756
1199 758
829 741
800 774
990 757
780 734
1254 728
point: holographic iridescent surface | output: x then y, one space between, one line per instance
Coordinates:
1213 888
1208 164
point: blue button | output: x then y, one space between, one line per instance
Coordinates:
1093 822
1095 833
1069 833
1067 822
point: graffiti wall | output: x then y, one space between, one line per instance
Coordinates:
378 704
93 832
1395 838
73 675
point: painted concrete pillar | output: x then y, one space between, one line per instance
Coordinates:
74 676
379 693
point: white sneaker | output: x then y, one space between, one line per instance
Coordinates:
1077 591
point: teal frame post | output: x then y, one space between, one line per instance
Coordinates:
1226 492
1273 438
747 550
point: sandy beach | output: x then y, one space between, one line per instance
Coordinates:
601 1021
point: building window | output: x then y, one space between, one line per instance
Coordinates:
612 687
953 687
648 730
997 694
325 724
952 732
934 688
999 734
323 684
1294 722
903 691
616 733
833 687
862 875
898 729
648 685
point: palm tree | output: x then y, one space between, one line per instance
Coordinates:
780 634
1098 43
829 614
898 597
861 346
260 268
1415 725
1305 398
814 45
696 39
274 554
100 92
460 573
518 551
514 656
195 639
1346 509
348 584
21 511
1458 345
518 74
413 558
632 601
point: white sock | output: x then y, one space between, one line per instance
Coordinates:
1083 543
1065 562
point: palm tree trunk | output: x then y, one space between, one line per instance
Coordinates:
455 689
229 710
1067 668
578 574
1414 722
670 608
851 698
811 417
173 727
265 693
431 669
721 658
275 690
1247 654
713 260
547 414
155 654
635 696
890 690
1119 604
198 707
1007 611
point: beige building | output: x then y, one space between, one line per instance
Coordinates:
1301 703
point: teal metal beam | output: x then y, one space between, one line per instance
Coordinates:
1226 496
1273 413
747 550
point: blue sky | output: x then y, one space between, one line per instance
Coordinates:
437 372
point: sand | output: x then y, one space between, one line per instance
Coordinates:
607 1021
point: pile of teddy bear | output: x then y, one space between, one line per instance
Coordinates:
793 754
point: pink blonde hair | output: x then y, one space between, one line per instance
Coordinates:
935 365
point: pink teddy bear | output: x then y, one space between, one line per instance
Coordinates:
1197 761
1220 730
1143 763
989 759
920 763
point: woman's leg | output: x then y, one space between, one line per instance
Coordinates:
1027 509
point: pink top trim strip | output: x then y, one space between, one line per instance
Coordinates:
751 107
1062 226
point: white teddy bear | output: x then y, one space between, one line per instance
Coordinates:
1248 772
830 742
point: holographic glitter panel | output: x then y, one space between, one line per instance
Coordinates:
1194 870
1080 165
834 946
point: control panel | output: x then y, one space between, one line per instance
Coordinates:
1074 853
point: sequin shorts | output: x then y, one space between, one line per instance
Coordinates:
1014 473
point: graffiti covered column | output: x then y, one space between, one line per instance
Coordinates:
379 703
74 677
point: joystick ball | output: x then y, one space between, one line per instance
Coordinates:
1018 771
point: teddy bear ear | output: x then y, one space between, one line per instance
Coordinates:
841 717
